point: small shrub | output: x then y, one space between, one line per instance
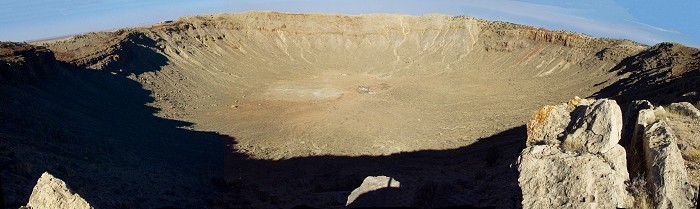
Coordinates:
573 145
661 114
638 190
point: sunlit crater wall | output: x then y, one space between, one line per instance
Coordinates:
287 85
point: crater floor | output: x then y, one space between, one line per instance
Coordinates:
287 85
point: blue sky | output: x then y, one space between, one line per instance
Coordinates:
644 21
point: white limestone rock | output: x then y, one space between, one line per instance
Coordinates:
51 193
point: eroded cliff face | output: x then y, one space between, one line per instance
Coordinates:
276 110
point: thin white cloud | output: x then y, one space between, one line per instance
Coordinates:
562 18
654 27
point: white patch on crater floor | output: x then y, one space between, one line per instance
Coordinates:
303 92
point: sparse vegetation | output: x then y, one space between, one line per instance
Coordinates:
573 145
691 154
660 113
638 190
687 131
669 111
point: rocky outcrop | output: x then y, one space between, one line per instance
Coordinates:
665 168
655 154
598 129
572 159
376 191
576 145
51 192
594 125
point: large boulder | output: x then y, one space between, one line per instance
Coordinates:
598 128
572 158
665 168
594 125
552 178
51 192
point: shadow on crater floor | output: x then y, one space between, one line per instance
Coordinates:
481 174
